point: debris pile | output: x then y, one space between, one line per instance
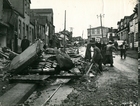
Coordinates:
37 66
36 62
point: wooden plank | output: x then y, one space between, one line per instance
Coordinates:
17 94
25 58
29 78
66 76
50 71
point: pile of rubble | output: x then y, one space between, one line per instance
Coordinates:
34 63
6 56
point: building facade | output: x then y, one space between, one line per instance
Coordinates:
8 25
123 28
112 34
133 32
24 27
96 33
46 16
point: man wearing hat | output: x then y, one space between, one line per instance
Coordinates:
109 56
97 56
25 43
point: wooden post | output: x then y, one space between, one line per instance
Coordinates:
64 33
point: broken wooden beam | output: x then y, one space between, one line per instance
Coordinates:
18 94
29 78
66 76
24 59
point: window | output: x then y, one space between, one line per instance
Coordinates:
23 29
98 31
121 23
25 6
131 23
137 36
93 31
136 20
19 29
30 33
118 26
27 31
33 37
88 32
124 25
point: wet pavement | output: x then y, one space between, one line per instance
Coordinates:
128 66
115 87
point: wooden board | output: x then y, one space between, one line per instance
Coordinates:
66 76
25 58
29 78
17 94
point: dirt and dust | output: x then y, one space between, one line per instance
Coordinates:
112 88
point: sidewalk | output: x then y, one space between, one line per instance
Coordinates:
132 53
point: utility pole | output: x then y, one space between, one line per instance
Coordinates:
64 32
100 16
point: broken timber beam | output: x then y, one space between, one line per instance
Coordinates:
24 59
18 94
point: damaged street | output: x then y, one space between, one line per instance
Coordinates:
80 86
69 53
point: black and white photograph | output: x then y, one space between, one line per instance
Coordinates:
69 52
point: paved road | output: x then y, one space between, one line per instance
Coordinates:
128 66
119 83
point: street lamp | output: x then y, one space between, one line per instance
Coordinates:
100 16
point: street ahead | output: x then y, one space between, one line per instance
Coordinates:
118 85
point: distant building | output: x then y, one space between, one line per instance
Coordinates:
40 24
112 34
24 28
133 32
8 25
96 33
50 28
123 28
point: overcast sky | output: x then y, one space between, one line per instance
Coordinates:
80 14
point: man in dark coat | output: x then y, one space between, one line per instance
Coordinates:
98 44
123 48
109 56
25 43
88 52
97 56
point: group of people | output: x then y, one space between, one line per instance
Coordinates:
103 54
25 43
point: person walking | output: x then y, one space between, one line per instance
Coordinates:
123 48
116 45
109 56
103 51
97 57
25 43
